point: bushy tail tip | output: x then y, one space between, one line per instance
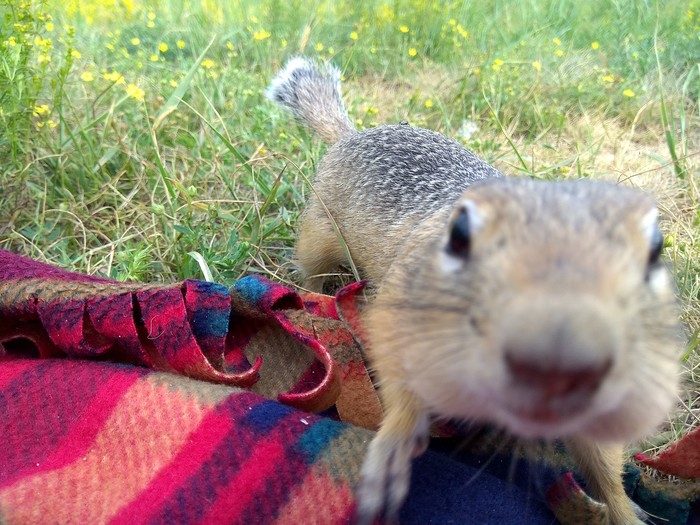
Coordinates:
311 91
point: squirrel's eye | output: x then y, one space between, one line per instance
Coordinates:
656 246
459 242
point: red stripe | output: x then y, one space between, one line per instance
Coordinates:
91 421
200 445
82 434
11 368
252 476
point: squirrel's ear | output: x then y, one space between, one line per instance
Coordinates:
465 222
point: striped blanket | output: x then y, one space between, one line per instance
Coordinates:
194 403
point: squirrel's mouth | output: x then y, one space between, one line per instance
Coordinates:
535 415
550 415
543 425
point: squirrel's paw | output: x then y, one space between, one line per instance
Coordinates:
386 475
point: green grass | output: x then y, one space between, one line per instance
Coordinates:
136 142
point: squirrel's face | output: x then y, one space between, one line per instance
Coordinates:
555 315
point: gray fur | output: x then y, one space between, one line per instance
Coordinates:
401 170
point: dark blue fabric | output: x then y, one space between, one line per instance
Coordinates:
264 416
452 485
453 488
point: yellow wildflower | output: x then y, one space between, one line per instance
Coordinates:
150 24
151 15
261 35
319 47
173 83
163 47
537 65
110 47
87 77
40 110
556 41
229 46
404 29
628 93
608 78
208 63
49 26
44 43
353 35
135 41
428 103
154 58
559 53
75 53
497 64
51 123
115 77
412 52
595 45
135 92
181 44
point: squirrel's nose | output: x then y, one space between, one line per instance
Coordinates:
555 380
554 346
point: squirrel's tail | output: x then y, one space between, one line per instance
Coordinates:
312 92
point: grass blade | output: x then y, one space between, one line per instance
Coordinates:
667 124
202 265
505 134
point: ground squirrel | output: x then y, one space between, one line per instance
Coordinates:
540 307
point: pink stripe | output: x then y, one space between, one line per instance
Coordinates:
11 368
83 433
201 444
233 499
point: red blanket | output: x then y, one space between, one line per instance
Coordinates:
191 403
